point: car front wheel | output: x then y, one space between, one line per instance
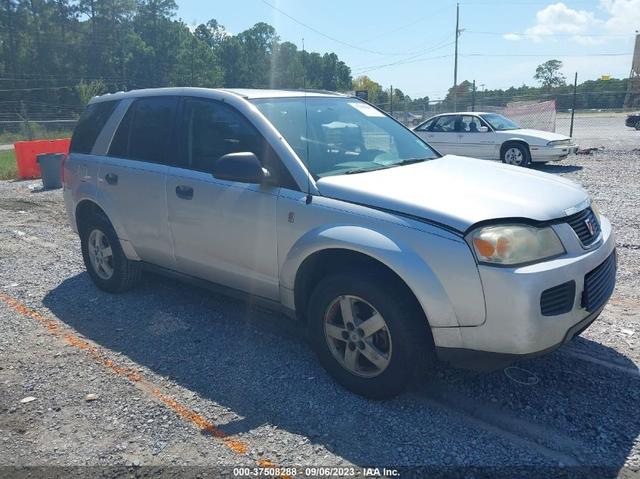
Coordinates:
368 334
516 154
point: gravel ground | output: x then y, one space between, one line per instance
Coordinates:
184 377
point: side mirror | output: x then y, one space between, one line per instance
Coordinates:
483 129
242 167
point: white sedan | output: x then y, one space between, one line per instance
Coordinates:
493 137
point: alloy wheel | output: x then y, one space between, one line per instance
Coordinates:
100 254
358 336
514 156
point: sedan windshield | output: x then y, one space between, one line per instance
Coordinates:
335 136
499 122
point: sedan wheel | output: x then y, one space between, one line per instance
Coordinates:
358 336
514 156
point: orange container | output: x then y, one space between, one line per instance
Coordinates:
27 151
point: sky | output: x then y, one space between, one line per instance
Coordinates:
410 43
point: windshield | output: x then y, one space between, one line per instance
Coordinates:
343 135
499 122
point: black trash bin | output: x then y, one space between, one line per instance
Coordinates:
50 168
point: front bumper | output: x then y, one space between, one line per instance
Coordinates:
515 326
552 153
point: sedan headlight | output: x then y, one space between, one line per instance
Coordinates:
559 142
514 244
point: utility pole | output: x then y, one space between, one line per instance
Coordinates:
455 64
391 102
573 105
473 97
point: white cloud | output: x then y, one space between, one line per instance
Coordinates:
617 17
512 37
624 15
558 18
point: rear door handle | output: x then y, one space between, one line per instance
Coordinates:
111 178
184 192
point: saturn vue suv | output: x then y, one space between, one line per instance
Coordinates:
324 207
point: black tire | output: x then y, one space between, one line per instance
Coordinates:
126 274
524 150
408 329
638 125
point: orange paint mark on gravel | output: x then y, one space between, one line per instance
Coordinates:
236 445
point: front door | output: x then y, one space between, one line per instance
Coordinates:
223 231
473 140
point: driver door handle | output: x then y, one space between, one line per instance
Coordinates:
184 192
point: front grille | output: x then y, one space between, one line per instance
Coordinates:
599 284
558 300
580 223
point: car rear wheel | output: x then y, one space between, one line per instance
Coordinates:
367 334
104 259
516 154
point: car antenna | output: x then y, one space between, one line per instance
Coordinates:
309 198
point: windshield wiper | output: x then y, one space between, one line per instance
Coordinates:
410 161
364 170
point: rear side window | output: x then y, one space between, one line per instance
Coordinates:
427 125
144 132
445 124
90 125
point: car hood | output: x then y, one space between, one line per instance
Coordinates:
459 192
543 136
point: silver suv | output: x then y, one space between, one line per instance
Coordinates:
324 207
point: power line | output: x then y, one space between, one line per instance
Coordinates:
410 59
546 55
551 34
329 37
407 25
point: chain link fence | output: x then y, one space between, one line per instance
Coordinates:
591 127
12 131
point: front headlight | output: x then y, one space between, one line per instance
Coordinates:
559 142
514 244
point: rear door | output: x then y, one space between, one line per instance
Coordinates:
441 133
133 175
82 165
224 231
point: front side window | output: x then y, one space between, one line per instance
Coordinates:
499 122
144 132
336 135
210 129
90 125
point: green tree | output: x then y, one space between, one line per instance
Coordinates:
373 89
548 74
